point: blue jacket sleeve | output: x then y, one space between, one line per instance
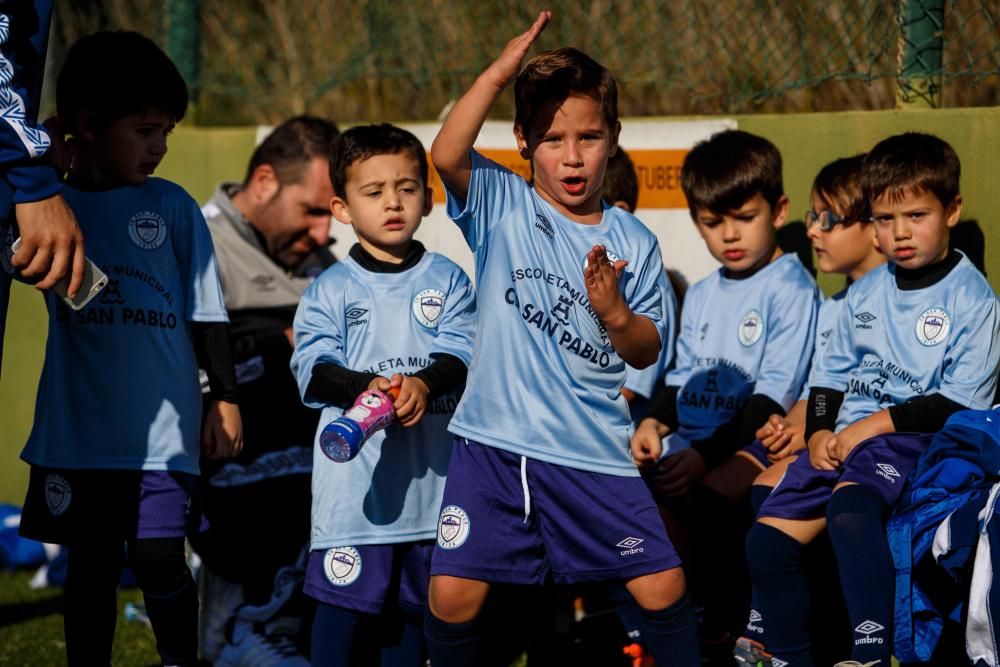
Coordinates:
24 29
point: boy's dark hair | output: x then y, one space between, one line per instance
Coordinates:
911 162
113 74
365 141
554 76
620 181
723 172
291 145
839 184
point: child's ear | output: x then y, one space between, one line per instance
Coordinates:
522 143
954 211
781 212
428 200
340 210
85 124
615 133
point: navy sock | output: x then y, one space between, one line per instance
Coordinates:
171 597
406 647
451 644
671 635
758 494
857 530
779 615
334 632
90 603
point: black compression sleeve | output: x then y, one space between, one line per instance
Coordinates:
821 414
739 431
214 352
664 407
337 385
924 414
446 373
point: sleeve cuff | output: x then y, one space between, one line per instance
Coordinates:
33 182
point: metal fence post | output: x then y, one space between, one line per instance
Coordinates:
921 44
183 42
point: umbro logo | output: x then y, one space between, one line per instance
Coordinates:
355 313
263 282
778 662
630 546
825 335
868 628
755 616
630 542
887 471
542 224
865 317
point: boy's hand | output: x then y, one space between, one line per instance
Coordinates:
854 434
381 384
601 278
647 443
506 68
819 451
774 425
792 440
679 472
222 436
411 403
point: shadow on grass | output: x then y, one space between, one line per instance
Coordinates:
25 611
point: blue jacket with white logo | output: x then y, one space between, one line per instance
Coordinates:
934 529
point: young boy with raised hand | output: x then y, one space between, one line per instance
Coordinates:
570 290
115 445
839 225
914 343
391 314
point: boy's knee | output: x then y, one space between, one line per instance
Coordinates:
456 600
854 499
159 565
658 590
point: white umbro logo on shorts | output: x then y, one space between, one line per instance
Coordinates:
868 628
755 616
630 546
778 662
887 471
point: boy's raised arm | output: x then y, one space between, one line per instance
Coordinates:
450 150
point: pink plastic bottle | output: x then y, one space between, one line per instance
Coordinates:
343 438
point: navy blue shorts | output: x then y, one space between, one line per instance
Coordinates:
65 506
881 463
758 452
509 519
366 577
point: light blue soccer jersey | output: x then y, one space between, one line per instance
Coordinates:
645 382
119 388
892 345
545 381
383 323
743 337
826 327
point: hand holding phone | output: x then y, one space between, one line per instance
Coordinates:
94 280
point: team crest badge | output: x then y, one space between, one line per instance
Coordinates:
933 326
453 527
751 328
427 307
342 565
147 229
58 494
612 257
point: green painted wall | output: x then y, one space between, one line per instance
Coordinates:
200 157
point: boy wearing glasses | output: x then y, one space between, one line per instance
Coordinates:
742 355
913 344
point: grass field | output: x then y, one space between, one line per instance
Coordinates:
31 633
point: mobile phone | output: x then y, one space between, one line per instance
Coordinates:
94 281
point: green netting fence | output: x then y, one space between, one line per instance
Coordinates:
258 61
